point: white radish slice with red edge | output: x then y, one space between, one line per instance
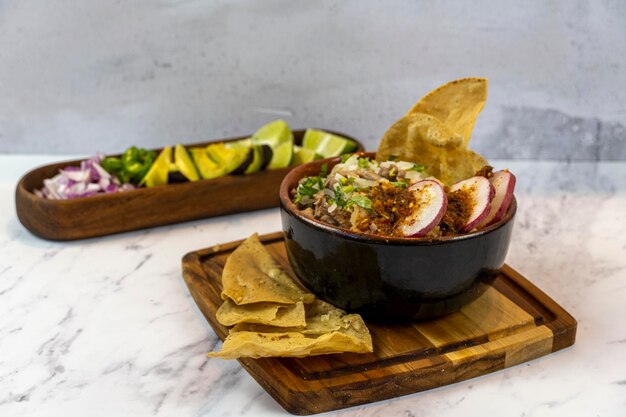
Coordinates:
481 192
431 203
504 184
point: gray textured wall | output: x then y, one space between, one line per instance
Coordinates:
81 76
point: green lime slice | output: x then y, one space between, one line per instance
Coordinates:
326 144
273 134
303 155
157 174
279 138
282 156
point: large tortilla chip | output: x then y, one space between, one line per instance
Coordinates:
251 275
457 104
280 315
433 131
352 336
425 140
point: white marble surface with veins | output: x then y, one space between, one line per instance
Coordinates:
106 327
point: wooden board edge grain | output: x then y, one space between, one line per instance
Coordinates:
563 326
321 397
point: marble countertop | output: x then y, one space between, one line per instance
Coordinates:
106 327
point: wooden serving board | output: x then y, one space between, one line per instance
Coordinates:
106 214
511 323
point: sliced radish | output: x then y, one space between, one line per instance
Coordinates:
438 181
504 184
431 204
481 192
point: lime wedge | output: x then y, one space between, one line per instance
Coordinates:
282 156
303 155
279 138
157 175
273 134
326 144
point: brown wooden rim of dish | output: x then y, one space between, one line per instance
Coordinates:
288 206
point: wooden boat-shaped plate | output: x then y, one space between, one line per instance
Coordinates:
107 214
511 323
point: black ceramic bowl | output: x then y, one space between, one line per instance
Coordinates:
386 278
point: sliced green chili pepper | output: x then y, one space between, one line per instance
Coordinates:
132 166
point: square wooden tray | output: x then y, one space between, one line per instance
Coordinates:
511 323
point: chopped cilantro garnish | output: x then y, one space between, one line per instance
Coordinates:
362 201
308 187
311 185
345 197
363 162
339 198
400 184
345 157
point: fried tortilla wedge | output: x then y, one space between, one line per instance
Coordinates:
321 318
433 131
280 315
457 104
325 333
251 275
424 139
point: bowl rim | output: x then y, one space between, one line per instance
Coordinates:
290 208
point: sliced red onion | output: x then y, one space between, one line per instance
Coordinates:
104 183
95 187
79 175
100 172
81 181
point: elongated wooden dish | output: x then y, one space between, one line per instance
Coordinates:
511 323
107 214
